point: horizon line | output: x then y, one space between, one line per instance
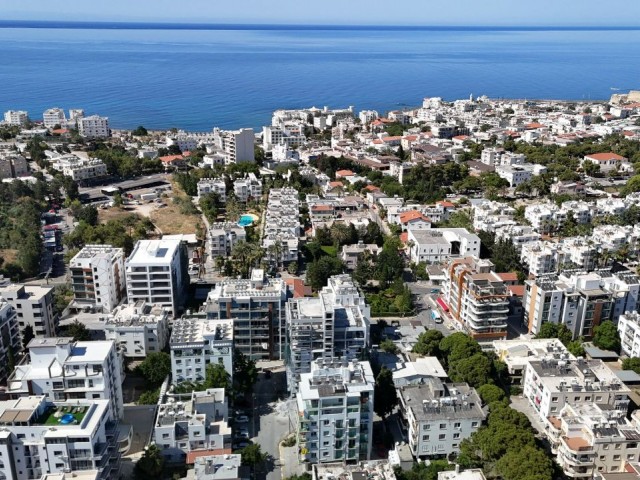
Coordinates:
191 25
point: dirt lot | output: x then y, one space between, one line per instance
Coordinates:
170 220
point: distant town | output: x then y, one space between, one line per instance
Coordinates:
448 291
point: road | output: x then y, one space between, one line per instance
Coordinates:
94 193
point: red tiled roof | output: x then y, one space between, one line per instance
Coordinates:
336 184
446 204
191 456
412 215
298 287
372 188
391 139
461 137
322 208
517 290
60 131
345 173
508 276
171 158
604 157
533 125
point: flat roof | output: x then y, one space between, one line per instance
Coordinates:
153 252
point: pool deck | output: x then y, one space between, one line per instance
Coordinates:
49 417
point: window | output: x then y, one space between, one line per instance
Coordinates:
325 422
617 446
426 426
442 436
325 443
456 425
165 435
456 436
630 456
605 446
443 426
425 438
616 457
554 399
474 424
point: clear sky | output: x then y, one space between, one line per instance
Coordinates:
354 12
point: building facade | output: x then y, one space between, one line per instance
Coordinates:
94 126
34 306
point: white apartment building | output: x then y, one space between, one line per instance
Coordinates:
63 369
42 439
440 244
589 440
197 342
517 234
489 216
291 134
138 329
198 423
256 307
282 226
333 325
223 236
367 116
541 257
477 298
335 400
94 126
76 114
549 385
541 216
98 277
16 117
248 188
515 174
34 306
9 338
219 467
629 329
439 416
53 117
418 372
85 169
613 238
156 272
239 144
580 252
491 155
213 185
517 352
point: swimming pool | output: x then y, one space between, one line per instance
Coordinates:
67 418
247 220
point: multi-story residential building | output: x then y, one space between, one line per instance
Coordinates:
85 169
138 329
13 166
156 272
577 299
63 369
333 325
197 342
335 401
53 117
489 216
589 440
625 289
440 244
282 226
238 144
439 416
550 384
629 329
367 116
76 114
580 252
256 307
515 174
94 126
198 424
517 234
541 257
40 438
290 134
247 188
517 352
491 155
223 236
541 216
34 306
97 277
16 117
9 337
219 467
351 253
213 185
477 298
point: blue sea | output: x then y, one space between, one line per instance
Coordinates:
197 77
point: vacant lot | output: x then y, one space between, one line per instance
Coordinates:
170 219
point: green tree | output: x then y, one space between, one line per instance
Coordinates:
245 372
528 463
151 464
150 397
428 343
27 335
474 370
632 185
606 336
389 347
385 395
252 455
632 363
156 367
491 393
292 268
318 272
210 206
140 132
456 347
217 377
78 331
576 348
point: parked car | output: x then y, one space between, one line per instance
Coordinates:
242 434
242 419
241 444
435 290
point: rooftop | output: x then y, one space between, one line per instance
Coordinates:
153 252
435 400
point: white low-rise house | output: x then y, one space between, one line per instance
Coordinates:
213 185
199 423
549 385
517 352
40 438
138 329
335 401
97 277
34 306
515 174
156 272
62 368
351 253
582 212
629 329
611 206
439 416
248 188
10 340
94 126
417 372
197 342
16 117
606 161
219 467
590 439
223 236
613 238
439 244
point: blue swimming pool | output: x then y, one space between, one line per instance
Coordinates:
67 418
246 220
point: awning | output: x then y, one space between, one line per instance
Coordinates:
442 304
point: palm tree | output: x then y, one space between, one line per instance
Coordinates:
242 254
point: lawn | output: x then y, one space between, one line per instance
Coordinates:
330 250
49 418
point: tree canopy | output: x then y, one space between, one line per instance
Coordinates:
156 367
606 336
385 395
